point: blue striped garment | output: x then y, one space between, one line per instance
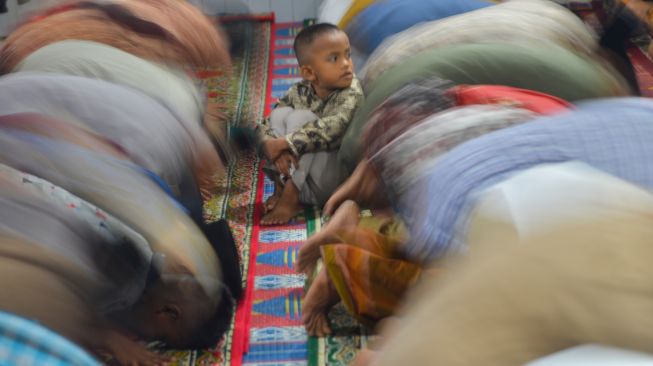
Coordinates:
613 135
26 343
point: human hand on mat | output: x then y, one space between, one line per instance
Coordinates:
126 351
285 161
273 148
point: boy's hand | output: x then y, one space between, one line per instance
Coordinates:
285 161
273 148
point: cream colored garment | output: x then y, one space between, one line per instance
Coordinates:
124 191
171 87
586 278
522 21
540 199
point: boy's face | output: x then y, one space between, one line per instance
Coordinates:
330 66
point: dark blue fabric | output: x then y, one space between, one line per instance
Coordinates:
387 17
164 186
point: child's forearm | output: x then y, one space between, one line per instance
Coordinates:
274 147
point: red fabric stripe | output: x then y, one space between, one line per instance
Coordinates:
270 69
240 341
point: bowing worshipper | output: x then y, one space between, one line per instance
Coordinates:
360 258
412 129
611 135
218 233
169 85
190 301
364 264
408 105
382 19
572 269
541 67
514 22
177 151
74 262
166 31
170 32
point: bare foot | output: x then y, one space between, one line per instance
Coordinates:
362 187
287 206
316 304
309 253
271 202
274 198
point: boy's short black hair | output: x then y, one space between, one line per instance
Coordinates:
306 37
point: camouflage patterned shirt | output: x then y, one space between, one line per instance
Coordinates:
334 115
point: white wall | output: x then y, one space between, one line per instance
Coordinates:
8 20
17 12
285 10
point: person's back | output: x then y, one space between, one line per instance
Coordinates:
610 135
582 279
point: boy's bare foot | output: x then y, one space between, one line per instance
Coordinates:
309 253
271 202
274 198
362 187
321 297
286 208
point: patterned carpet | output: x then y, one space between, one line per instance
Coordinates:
237 196
292 346
276 335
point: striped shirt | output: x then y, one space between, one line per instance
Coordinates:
611 135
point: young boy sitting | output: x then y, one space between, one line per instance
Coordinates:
301 137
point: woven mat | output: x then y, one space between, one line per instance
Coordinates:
277 336
238 194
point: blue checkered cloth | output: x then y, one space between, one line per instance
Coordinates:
613 135
26 343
